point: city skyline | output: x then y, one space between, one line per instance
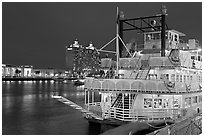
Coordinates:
37 33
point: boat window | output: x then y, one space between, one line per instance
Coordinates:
194 99
192 57
198 78
165 103
175 103
148 36
147 103
177 78
188 101
172 77
157 103
184 78
164 76
169 35
166 35
191 78
152 76
167 76
200 99
187 78
180 78
175 38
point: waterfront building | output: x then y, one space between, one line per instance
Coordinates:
26 70
8 70
43 72
16 71
92 60
49 73
82 59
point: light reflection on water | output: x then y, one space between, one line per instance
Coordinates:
27 108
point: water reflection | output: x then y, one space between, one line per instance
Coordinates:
27 108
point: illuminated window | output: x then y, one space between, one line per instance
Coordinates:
193 57
173 77
157 103
194 99
169 35
187 78
199 98
165 103
191 77
175 103
177 78
175 38
184 78
147 103
188 102
180 78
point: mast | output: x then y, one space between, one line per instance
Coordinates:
117 42
163 30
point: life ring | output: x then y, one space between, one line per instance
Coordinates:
174 57
188 88
169 85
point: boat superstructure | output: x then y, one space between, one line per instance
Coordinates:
163 81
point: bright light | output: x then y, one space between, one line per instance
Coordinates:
199 49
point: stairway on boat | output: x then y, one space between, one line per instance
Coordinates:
133 74
142 74
121 107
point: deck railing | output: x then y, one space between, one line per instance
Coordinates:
138 114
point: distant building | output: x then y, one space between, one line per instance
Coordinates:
82 59
49 73
17 71
28 71
43 72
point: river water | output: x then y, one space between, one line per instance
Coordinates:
28 109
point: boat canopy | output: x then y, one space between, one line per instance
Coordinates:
139 85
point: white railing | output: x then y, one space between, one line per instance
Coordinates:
140 85
138 114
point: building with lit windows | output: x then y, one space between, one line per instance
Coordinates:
82 59
17 71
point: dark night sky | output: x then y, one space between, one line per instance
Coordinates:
37 33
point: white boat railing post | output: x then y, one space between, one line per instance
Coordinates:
123 104
85 96
88 100
92 97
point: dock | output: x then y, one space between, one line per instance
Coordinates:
77 107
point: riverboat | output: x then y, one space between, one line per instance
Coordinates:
161 82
